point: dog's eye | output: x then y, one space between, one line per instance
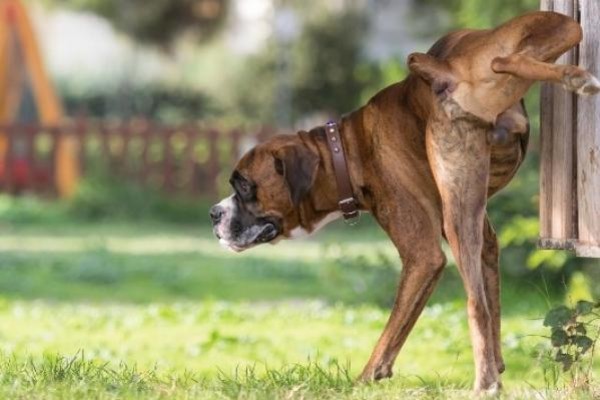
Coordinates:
244 188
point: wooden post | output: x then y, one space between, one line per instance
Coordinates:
570 146
588 140
557 119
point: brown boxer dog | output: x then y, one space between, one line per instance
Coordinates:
422 156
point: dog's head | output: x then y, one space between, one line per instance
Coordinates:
270 182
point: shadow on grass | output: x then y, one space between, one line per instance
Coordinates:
102 276
151 262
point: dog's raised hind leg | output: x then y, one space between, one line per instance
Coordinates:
542 43
570 77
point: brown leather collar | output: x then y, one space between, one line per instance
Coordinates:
347 202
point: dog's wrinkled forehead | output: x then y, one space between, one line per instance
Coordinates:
248 171
255 163
258 161
255 175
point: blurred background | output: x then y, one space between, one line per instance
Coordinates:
119 124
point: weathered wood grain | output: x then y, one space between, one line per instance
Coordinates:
546 116
557 125
588 140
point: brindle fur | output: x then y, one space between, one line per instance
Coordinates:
424 155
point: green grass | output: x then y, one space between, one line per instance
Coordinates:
151 310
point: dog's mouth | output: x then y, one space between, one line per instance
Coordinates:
267 233
252 236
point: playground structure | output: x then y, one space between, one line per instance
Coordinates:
191 160
23 76
46 153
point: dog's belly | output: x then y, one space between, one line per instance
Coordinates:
505 161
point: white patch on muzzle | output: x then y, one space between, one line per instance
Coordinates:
222 229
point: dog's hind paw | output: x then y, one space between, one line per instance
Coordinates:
581 82
591 87
493 390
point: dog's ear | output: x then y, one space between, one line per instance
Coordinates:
298 165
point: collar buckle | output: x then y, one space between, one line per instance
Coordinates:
350 211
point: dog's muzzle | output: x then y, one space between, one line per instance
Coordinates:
237 229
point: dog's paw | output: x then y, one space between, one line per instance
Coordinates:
493 390
376 374
591 87
581 82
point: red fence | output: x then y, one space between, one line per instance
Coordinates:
187 159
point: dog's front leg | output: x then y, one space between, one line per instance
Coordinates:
459 154
417 236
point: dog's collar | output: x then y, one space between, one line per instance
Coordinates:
347 202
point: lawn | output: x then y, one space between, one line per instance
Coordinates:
153 310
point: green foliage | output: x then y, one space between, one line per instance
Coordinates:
574 333
101 196
171 105
254 95
324 64
379 75
484 14
558 317
158 22
30 210
324 71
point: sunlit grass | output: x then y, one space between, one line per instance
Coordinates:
216 339
157 311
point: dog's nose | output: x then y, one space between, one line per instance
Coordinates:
216 213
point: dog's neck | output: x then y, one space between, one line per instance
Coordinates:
359 132
323 201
